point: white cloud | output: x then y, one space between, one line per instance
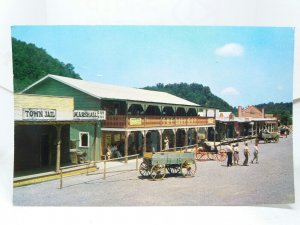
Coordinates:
230 50
230 91
99 75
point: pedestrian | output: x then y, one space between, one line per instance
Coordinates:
166 143
246 154
255 153
236 155
228 150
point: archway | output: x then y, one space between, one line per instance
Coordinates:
135 109
169 134
153 141
135 143
180 138
180 111
153 110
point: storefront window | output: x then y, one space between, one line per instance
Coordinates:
83 139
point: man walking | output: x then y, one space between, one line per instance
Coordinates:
255 153
229 151
246 154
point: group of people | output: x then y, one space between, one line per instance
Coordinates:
112 151
233 154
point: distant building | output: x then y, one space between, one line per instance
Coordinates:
251 112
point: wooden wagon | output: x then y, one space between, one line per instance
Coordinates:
156 164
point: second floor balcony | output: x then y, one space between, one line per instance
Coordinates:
141 121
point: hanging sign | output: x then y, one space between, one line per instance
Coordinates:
135 121
38 114
89 115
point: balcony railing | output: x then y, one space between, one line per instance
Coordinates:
121 121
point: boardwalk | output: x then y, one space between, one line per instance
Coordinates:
269 182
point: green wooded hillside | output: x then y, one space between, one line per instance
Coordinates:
283 110
196 93
31 63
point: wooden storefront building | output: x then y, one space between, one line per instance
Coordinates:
42 125
137 120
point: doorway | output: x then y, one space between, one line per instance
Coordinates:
44 156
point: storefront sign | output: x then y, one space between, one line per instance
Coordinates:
89 115
135 121
38 114
210 121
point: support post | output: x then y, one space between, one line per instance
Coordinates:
95 142
186 136
61 179
126 145
175 132
58 146
104 171
160 139
145 142
214 136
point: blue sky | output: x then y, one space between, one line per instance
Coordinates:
242 65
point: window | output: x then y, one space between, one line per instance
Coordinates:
84 139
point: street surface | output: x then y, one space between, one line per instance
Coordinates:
269 182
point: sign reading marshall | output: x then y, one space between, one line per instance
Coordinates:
38 114
89 115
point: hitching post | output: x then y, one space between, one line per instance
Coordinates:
104 173
61 181
58 147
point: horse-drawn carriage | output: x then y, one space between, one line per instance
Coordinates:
156 164
206 151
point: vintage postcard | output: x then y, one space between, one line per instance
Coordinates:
152 115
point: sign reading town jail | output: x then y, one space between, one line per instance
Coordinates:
89 115
38 114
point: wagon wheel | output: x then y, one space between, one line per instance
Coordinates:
211 155
222 155
204 155
173 169
188 168
144 169
158 171
198 155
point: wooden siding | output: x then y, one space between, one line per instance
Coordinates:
49 102
75 130
55 88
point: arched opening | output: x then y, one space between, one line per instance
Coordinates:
153 141
180 111
192 112
192 136
135 109
168 139
135 143
153 110
168 111
180 138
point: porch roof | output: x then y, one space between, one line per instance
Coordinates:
108 91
